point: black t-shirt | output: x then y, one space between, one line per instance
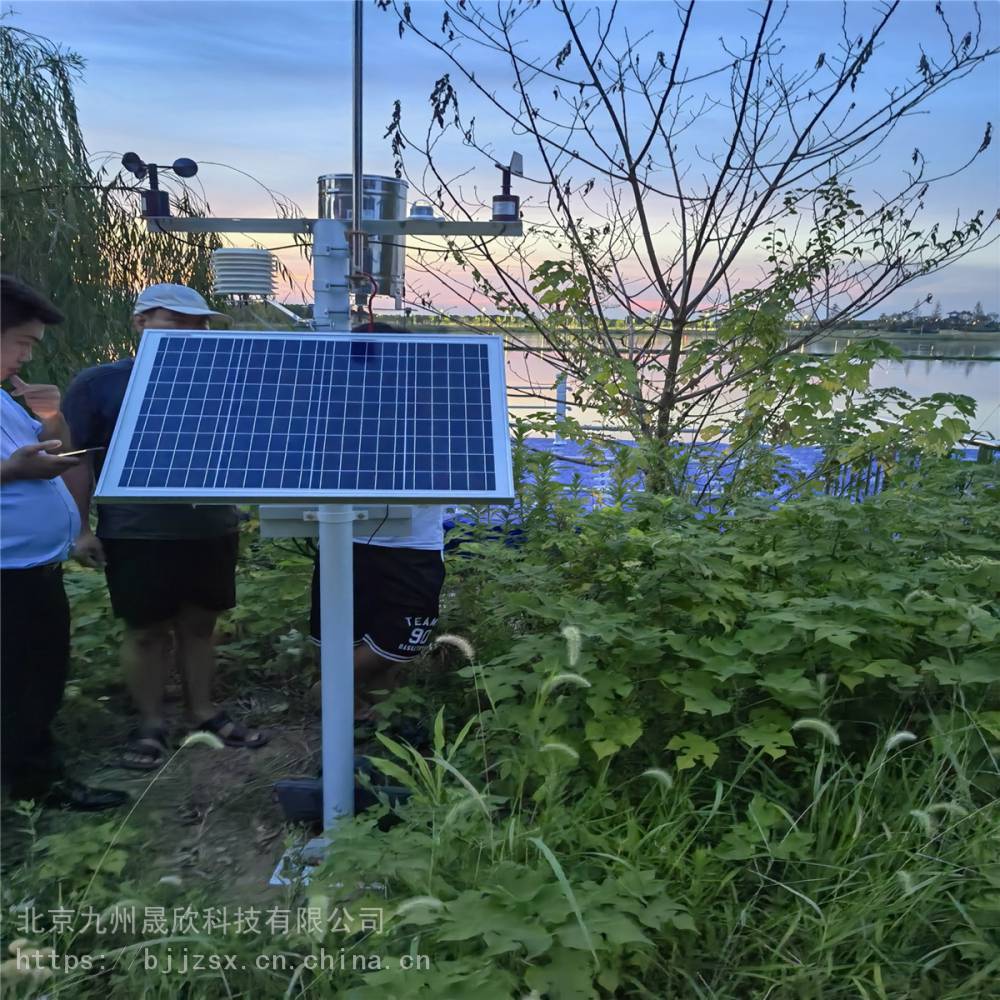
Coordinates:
91 407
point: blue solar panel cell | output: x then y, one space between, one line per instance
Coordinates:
275 416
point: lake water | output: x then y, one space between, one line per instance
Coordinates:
969 365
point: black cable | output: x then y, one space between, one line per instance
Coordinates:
179 239
172 235
376 531
289 246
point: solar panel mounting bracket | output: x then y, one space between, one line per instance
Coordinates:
313 515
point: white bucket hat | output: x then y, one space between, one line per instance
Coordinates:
177 298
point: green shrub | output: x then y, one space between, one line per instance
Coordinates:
721 757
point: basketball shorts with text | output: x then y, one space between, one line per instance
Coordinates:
396 599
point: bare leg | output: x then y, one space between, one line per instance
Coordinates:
146 655
371 673
196 659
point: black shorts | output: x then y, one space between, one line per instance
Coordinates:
396 595
151 579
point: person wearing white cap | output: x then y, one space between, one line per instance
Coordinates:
170 568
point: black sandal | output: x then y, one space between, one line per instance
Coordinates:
237 735
147 745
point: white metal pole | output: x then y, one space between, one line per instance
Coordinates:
560 404
332 311
358 182
331 263
336 589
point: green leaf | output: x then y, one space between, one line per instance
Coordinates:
769 729
990 721
901 672
791 687
609 979
691 748
699 696
725 668
763 814
393 770
607 734
838 635
563 977
439 732
114 862
604 748
567 891
796 844
740 843
656 913
614 927
502 927
765 637
517 881
972 670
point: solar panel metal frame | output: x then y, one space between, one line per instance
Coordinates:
109 488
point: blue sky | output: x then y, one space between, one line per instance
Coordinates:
265 87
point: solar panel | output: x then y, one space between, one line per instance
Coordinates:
266 417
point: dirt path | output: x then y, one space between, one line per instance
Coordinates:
209 816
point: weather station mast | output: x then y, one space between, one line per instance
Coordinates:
342 240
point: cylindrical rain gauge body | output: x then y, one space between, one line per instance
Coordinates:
384 198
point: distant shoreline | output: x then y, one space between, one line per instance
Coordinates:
850 333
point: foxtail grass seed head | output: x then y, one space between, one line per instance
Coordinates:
898 739
925 820
418 903
905 881
951 808
564 680
320 903
119 912
462 645
573 642
30 962
659 775
204 739
819 726
13 970
560 748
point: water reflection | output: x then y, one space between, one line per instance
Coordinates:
945 346
970 366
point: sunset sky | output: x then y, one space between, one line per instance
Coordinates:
265 88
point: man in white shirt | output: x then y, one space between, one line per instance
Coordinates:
397 589
38 526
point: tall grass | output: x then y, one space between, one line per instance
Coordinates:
827 878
